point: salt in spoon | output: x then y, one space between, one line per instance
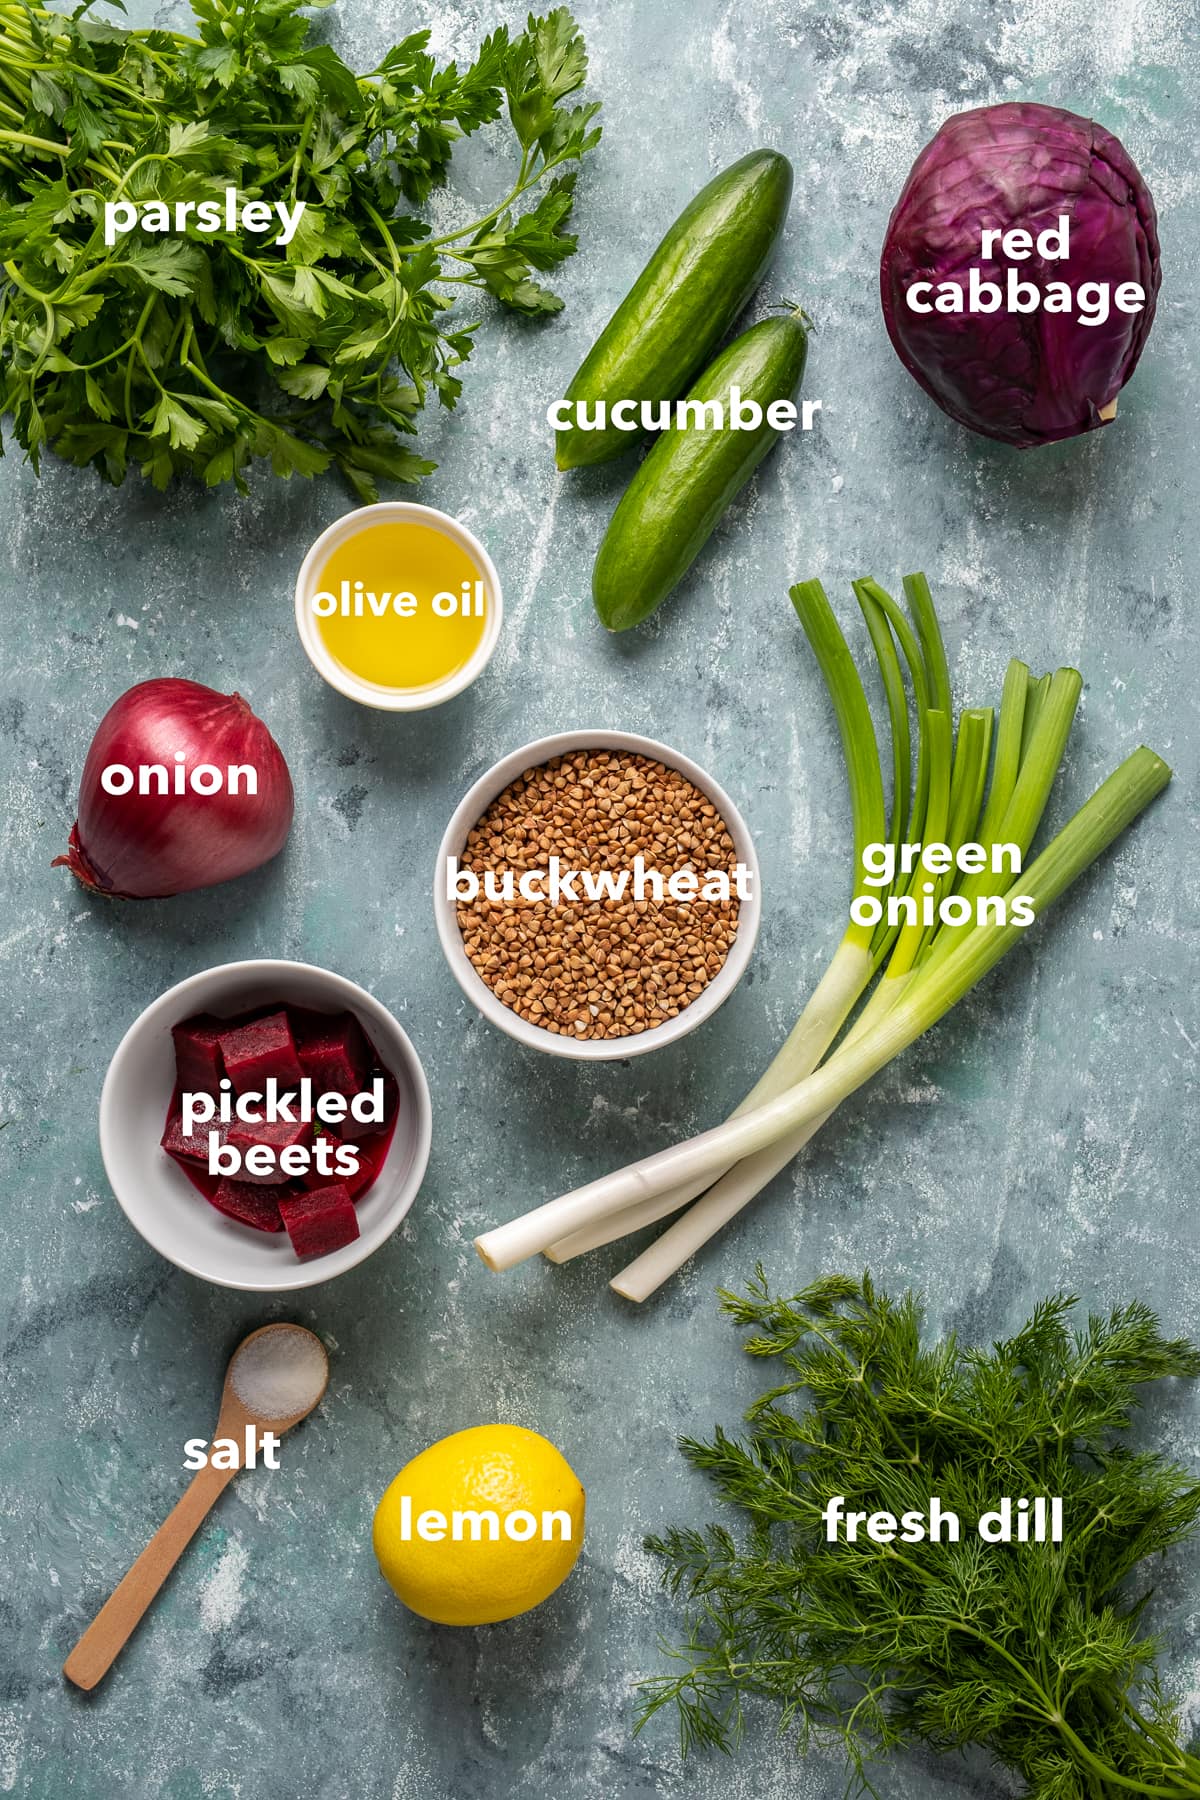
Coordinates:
275 1378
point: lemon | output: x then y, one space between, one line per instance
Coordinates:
483 1525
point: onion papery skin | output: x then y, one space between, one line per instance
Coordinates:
149 846
1034 378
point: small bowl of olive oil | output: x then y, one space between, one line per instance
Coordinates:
398 606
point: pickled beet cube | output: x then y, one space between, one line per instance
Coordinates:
250 1204
276 1136
315 1178
333 1049
198 1067
370 1154
320 1220
253 1053
187 1148
351 1129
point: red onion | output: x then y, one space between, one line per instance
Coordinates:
142 845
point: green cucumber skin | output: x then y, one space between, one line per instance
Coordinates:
671 507
683 302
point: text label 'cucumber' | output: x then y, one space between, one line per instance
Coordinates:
740 414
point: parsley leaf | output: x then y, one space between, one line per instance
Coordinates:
191 352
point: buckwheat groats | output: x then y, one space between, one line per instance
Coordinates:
606 963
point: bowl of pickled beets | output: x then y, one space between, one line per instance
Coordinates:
265 1125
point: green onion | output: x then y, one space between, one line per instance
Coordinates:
850 971
926 970
861 950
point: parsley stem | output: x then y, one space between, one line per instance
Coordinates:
380 224
101 80
134 345
140 348
35 143
525 180
18 280
301 148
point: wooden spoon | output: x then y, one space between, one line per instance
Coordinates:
286 1369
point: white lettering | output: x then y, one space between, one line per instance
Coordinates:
704 415
204 779
120 216
232 1453
197 1109
289 220
556 885
746 415
459 1520
740 414
1091 302
1022 1521
1055 246
155 216
476 1526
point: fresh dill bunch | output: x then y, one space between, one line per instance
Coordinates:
1034 1651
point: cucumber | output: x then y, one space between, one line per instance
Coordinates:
683 302
669 510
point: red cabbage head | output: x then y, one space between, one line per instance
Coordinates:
1021 377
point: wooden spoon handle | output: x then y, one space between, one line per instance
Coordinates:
115 1623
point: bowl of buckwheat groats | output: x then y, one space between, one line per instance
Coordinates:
597 895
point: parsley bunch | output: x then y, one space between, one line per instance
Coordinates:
1034 1651
193 354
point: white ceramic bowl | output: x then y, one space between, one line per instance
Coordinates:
156 1196
476 802
369 693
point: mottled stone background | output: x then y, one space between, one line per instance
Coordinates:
1043 1136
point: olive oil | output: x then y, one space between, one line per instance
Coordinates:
401 605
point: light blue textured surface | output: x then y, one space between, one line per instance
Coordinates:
1043 1136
